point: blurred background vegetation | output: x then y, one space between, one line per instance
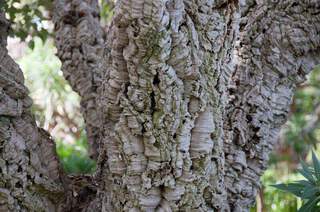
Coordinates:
56 106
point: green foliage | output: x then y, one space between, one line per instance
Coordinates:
309 189
106 11
32 18
272 199
74 157
56 106
296 140
29 18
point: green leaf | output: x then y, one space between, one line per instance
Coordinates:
31 44
316 165
294 188
310 205
305 171
304 182
43 34
309 192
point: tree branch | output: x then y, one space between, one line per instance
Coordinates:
80 43
279 44
28 163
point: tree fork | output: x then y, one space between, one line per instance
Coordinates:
183 101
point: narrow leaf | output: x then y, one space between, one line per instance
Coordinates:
305 171
309 192
304 182
309 205
316 165
294 188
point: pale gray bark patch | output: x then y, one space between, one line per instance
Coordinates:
279 44
29 172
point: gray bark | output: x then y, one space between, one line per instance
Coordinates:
29 172
79 39
278 46
183 100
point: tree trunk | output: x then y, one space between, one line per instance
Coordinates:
183 100
29 173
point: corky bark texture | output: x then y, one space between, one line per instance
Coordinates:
278 45
163 98
79 39
29 174
183 99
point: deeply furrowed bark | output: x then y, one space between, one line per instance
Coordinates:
279 44
29 175
183 101
80 43
165 98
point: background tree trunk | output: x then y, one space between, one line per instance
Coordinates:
183 100
278 46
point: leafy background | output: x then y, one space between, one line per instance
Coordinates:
56 106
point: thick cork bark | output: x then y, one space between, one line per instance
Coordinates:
183 100
29 172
